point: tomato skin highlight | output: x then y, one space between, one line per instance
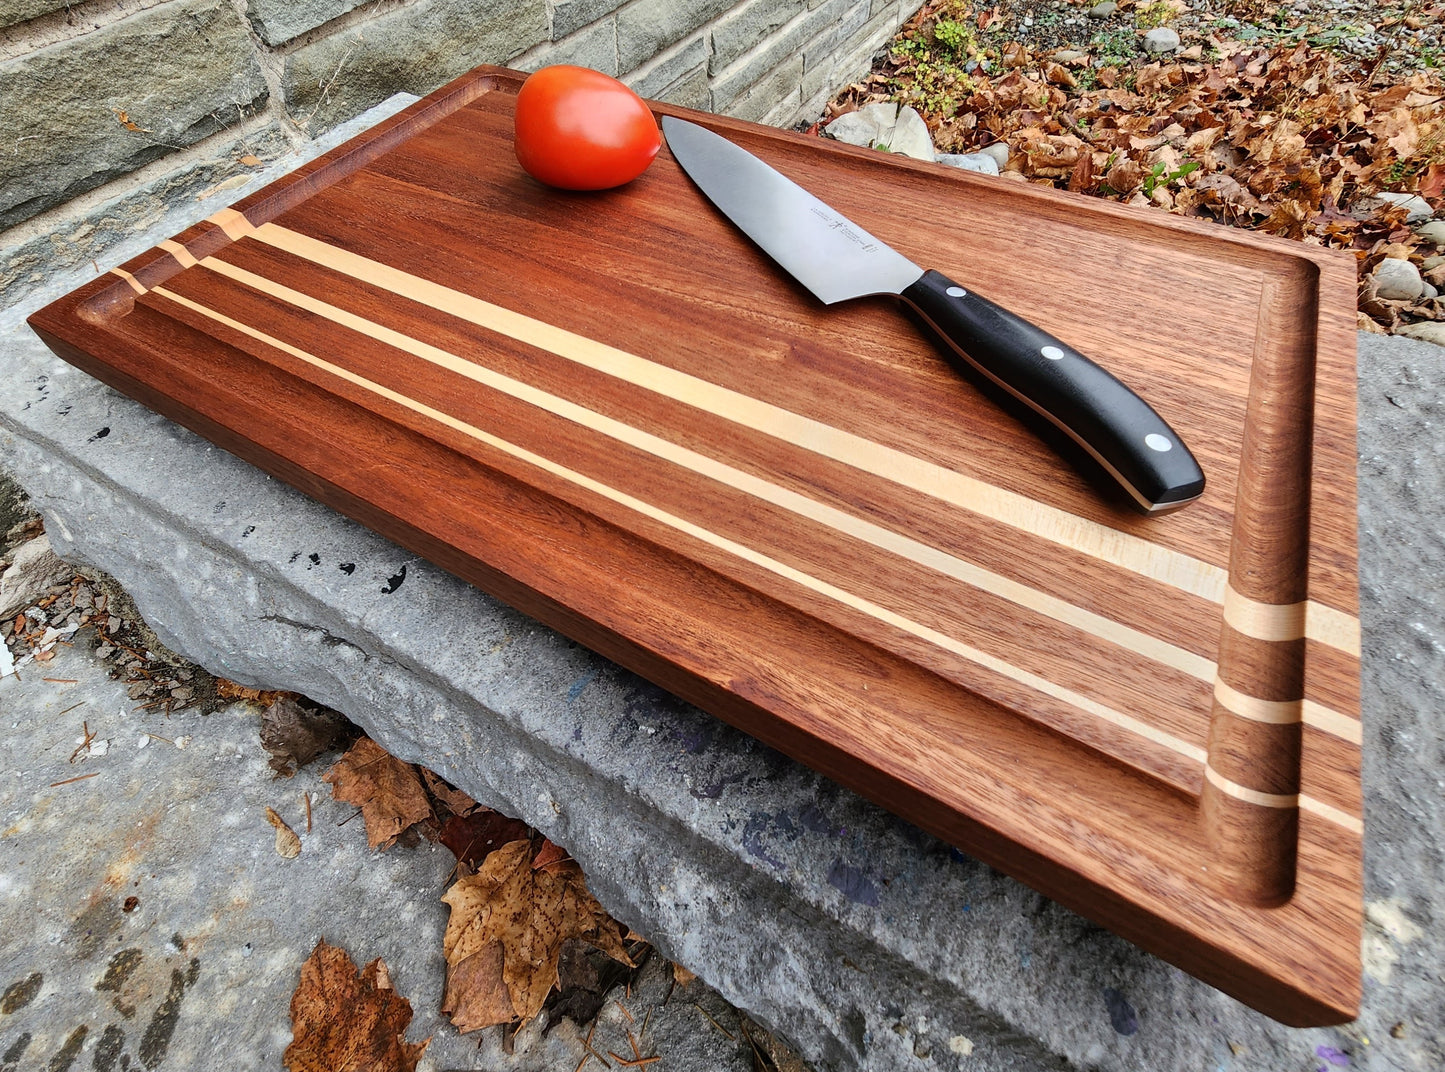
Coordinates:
579 129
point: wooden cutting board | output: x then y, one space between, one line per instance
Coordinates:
613 412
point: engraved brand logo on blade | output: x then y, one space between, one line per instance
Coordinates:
837 223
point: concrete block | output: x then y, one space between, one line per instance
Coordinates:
594 47
647 27
844 19
412 49
569 16
212 178
778 90
867 943
746 27
659 76
764 61
175 73
278 21
13 12
690 91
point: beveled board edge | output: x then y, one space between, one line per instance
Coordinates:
1141 914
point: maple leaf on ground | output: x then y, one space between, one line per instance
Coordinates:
343 1020
529 912
472 837
294 732
457 802
388 791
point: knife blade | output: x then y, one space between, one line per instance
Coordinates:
837 260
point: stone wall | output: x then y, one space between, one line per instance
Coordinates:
135 103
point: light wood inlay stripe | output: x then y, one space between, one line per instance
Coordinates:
1167 566
905 547
742 551
233 223
1251 796
1264 621
135 284
180 253
1328 812
1274 712
1323 718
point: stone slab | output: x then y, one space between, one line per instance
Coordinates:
279 21
867 943
13 12
414 49
150 923
79 113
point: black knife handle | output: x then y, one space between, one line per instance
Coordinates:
1118 428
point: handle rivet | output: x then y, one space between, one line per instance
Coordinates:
956 292
1053 353
1155 441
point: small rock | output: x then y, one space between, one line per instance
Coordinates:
863 126
910 136
1397 280
1417 207
1104 10
34 566
1426 331
1434 231
1160 40
182 692
1429 291
982 162
1193 52
1070 56
999 151
884 126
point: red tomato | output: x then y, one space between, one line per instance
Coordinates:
582 130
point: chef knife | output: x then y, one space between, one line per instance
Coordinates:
837 260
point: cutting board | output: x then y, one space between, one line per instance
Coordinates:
613 412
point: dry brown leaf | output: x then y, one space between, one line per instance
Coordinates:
473 836
287 843
457 802
345 1021
388 791
530 912
294 732
680 975
476 994
231 690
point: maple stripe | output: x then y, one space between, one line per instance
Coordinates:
723 543
1328 812
1251 796
1167 566
135 284
180 253
1141 643
1323 718
1273 712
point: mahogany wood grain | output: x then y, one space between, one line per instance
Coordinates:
613 412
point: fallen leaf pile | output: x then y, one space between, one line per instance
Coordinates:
508 923
1288 140
519 906
343 1020
388 792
